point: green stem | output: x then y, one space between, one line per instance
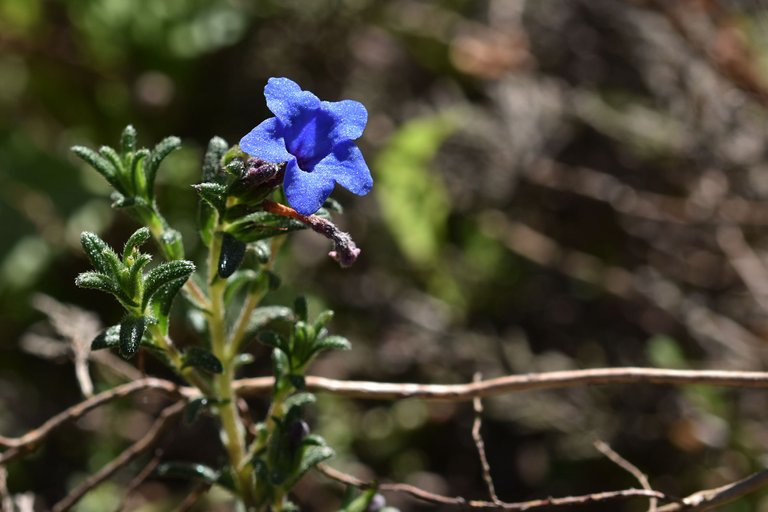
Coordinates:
190 374
253 299
158 226
232 432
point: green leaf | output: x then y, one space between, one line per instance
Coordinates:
301 308
231 255
97 281
162 300
163 275
120 201
310 457
134 281
280 365
263 251
128 140
152 164
214 194
235 167
198 357
238 280
332 343
137 239
100 164
261 225
212 160
297 381
298 400
206 221
172 244
359 503
113 158
108 338
322 319
187 471
274 340
131 332
265 315
101 255
194 409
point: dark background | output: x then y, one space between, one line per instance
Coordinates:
559 184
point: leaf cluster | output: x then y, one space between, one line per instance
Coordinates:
145 296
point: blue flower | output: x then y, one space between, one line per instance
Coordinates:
315 140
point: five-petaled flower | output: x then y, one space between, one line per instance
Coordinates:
315 140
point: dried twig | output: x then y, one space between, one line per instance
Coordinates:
480 445
193 497
139 479
128 455
515 383
440 499
629 468
32 439
395 391
711 498
454 392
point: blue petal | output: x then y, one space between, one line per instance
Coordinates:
266 142
346 166
350 117
287 101
306 191
308 139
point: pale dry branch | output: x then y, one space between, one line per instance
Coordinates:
515 383
630 468
440 499
442 392
125 458
32 439
397 391
191 499
712 498
78 327
477 437
140 477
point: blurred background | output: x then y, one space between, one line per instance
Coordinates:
558 185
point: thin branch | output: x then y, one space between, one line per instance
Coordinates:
32 439
440 499
477 404
630 468
396 391
515 383
193 497
711 498
139 479
122 460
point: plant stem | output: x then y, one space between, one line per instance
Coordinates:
158 225
253 299
190 374
232 432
